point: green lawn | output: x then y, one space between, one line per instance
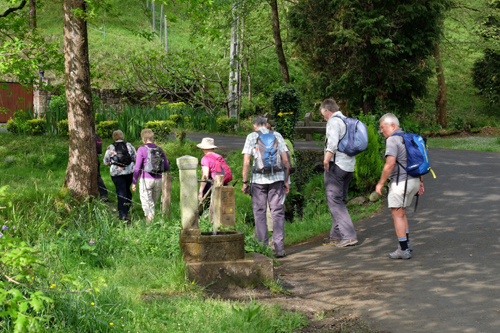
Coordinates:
143 286
478 143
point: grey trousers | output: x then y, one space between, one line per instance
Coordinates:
261 195
336 186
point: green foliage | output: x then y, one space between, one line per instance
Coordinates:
63 127
372 54
161 128
36 126
58 102
13 126
105 129
23 307
369 163
285 110
176 118
226 125
486 76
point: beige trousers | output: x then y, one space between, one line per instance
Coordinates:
150 191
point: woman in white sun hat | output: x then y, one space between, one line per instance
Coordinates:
212 164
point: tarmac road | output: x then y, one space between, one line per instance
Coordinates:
452 282
237 143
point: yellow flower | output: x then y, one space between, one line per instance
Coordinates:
111 324
192 282
32 278
52 271
92 303
52 286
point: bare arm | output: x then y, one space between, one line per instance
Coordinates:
246 170
284 159
390 162
205 171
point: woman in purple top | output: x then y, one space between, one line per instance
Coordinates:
149 184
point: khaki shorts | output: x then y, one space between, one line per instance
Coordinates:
395 196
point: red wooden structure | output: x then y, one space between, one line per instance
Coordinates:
13 97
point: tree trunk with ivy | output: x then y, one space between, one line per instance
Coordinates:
441 97
81 174
285 109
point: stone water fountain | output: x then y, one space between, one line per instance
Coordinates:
217 258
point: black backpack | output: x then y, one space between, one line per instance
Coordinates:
154 161
122 157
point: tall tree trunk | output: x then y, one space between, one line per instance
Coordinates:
234 64
248 75
367 107
278 43
240 66
33 14
81 174
441 97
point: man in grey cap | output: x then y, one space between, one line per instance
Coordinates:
338 175
268 181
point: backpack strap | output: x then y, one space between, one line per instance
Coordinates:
345 127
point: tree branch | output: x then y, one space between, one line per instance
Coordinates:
10 10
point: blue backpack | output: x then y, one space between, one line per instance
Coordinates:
266 157
355 139
417 158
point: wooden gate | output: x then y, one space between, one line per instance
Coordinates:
13 97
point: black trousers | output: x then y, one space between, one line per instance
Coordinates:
103 191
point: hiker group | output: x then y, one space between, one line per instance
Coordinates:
267 177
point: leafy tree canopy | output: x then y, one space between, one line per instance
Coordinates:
372 54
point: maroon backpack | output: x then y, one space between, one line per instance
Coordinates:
221 167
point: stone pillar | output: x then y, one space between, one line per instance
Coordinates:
41 99
189 193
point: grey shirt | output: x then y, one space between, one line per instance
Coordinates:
335 130
395 147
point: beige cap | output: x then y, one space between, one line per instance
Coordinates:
207 143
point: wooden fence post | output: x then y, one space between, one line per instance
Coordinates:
307 121
166 185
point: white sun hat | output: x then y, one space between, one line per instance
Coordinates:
207 143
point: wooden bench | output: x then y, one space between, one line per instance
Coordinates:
307 127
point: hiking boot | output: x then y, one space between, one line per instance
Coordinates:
331 241
400 254
346 242
280 254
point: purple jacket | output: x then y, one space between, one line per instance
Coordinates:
140 163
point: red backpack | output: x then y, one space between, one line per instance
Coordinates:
221 167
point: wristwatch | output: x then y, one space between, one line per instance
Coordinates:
245 182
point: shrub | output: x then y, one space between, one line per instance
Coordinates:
226 125
63 127
176 118
36 126
13 126
161 128
368 163
105 129
285 111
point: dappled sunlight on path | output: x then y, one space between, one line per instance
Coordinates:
451 283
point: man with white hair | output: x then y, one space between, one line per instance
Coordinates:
339 168
394 169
